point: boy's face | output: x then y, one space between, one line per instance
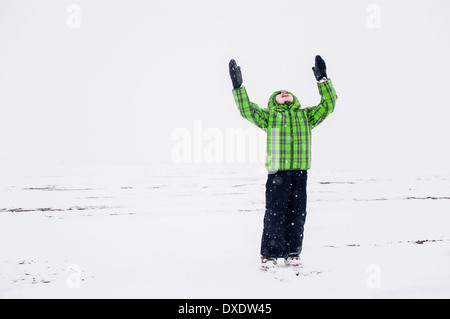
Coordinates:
284 97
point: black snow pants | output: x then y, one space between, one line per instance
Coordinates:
285 214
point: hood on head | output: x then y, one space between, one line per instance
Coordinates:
273 104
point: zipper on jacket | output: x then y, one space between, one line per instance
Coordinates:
292 140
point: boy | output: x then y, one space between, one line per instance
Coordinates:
288 158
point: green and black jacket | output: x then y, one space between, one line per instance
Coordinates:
288 126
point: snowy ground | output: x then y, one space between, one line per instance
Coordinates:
193 231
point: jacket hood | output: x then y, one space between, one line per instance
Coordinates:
273 104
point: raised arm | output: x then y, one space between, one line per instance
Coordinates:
317 114
248 110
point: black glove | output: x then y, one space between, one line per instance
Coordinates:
320 70
236 75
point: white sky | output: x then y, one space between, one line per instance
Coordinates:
115 89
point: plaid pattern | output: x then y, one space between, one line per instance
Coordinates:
288 126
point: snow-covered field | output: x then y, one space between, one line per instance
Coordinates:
193 231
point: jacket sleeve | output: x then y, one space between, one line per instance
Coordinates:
249 110
316 114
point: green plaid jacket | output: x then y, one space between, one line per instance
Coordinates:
288 126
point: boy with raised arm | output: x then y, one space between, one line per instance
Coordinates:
288 158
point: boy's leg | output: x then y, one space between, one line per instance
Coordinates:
278 190
296 214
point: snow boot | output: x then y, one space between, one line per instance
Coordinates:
293 261
268 264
